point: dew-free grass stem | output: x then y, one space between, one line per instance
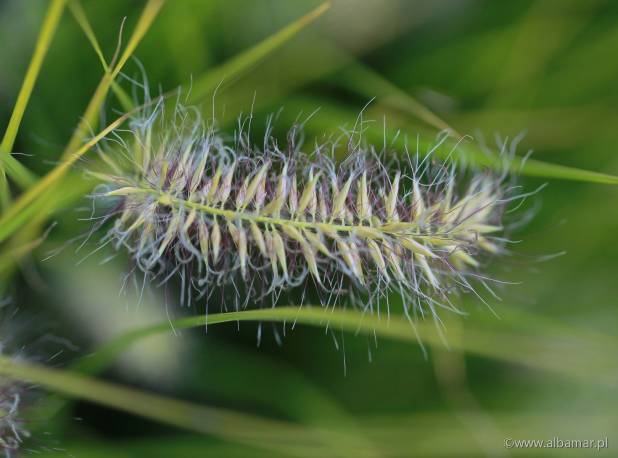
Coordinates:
298 440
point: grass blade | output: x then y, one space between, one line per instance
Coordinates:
17 171
29 238
332 115
8 164
235 67
89 118
536 351
82 20
230 425
20 212
50 23
369 84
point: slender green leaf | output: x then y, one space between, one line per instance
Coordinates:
235 67
26 240
17 171
535 351
82 19
369 84
22 210
331 116
7 163
50 23
146 19
230 425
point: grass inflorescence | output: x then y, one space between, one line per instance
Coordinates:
216 211
13 429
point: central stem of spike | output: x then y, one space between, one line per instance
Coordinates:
363 230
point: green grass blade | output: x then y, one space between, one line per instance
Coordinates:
89 118
82 20
50 23
12 255
29 238
534 167
331 116
17 171
532 350
7 163
206 420
22 210
235 67
368 83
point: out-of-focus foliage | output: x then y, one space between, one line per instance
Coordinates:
545 368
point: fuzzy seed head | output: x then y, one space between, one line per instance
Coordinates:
12 428
217 211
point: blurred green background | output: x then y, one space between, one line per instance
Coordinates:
548 68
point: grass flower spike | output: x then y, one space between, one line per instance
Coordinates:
12 429
219 211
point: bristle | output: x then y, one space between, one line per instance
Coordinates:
273 218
